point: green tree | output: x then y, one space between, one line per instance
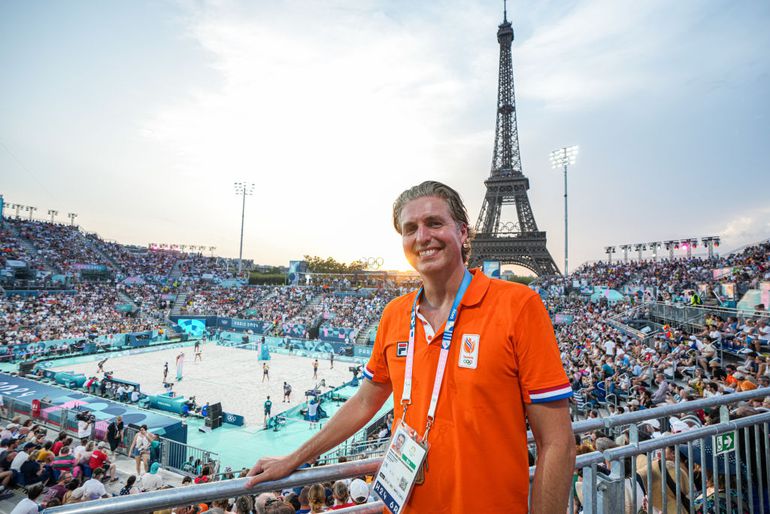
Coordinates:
317 264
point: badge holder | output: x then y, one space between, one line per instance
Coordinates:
402 467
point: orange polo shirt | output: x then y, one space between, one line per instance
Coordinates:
478 459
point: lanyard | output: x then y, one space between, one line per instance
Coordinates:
446 342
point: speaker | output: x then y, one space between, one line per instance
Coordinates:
25 367
215 410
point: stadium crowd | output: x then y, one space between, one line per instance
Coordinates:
613 369
64 470
90 312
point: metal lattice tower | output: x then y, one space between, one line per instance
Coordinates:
510 242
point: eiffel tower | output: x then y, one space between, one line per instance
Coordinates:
510 242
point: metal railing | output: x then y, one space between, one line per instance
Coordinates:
733 481
356 450
665 411
693 316
156 500
604 475
176 456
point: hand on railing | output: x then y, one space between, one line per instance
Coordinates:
272 468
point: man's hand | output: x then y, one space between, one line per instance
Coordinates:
271 468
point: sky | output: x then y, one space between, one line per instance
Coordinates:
139 117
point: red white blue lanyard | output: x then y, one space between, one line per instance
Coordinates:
446 342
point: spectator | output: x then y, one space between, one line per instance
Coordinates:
94 488
152 480
341 496
29 505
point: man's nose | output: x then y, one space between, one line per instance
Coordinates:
423 233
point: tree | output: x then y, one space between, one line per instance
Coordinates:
317 264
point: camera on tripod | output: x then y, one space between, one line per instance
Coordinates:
85 416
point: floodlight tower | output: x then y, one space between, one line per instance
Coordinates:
640 248
625 249
17 207
562 158
711 242
243 189
31 210
52 213
654 247
72 216
671 246
609 250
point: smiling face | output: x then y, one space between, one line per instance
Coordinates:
431 238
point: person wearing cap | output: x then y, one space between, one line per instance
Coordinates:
152 480
100 459
22 457
502 365
359 491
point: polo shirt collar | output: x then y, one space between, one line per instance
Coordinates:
477 288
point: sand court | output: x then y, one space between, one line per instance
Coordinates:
230 375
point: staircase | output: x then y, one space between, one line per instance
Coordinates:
96 247
179 302
127 299
176 271
363 335
316 301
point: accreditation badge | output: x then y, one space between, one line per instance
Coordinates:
400 468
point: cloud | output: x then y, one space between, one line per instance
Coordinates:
746 228
605 50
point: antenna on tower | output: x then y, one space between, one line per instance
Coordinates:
505 11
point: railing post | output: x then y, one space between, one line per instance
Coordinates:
610 492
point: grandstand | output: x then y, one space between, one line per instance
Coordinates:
673 350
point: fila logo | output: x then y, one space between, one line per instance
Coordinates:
469 351
401 349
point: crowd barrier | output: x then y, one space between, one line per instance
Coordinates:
694 317
742 446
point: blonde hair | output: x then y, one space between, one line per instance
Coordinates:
316 497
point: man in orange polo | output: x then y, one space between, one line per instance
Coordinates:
502 370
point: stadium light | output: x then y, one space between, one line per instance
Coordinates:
211 249
654 247
72 216
52 213
711 242
609 250
243 189
562 158
17 207
625 249
640 247
31 210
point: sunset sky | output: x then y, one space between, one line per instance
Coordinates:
139 116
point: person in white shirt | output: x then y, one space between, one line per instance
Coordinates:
28 504
94 488
21 457
84 429
152 481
